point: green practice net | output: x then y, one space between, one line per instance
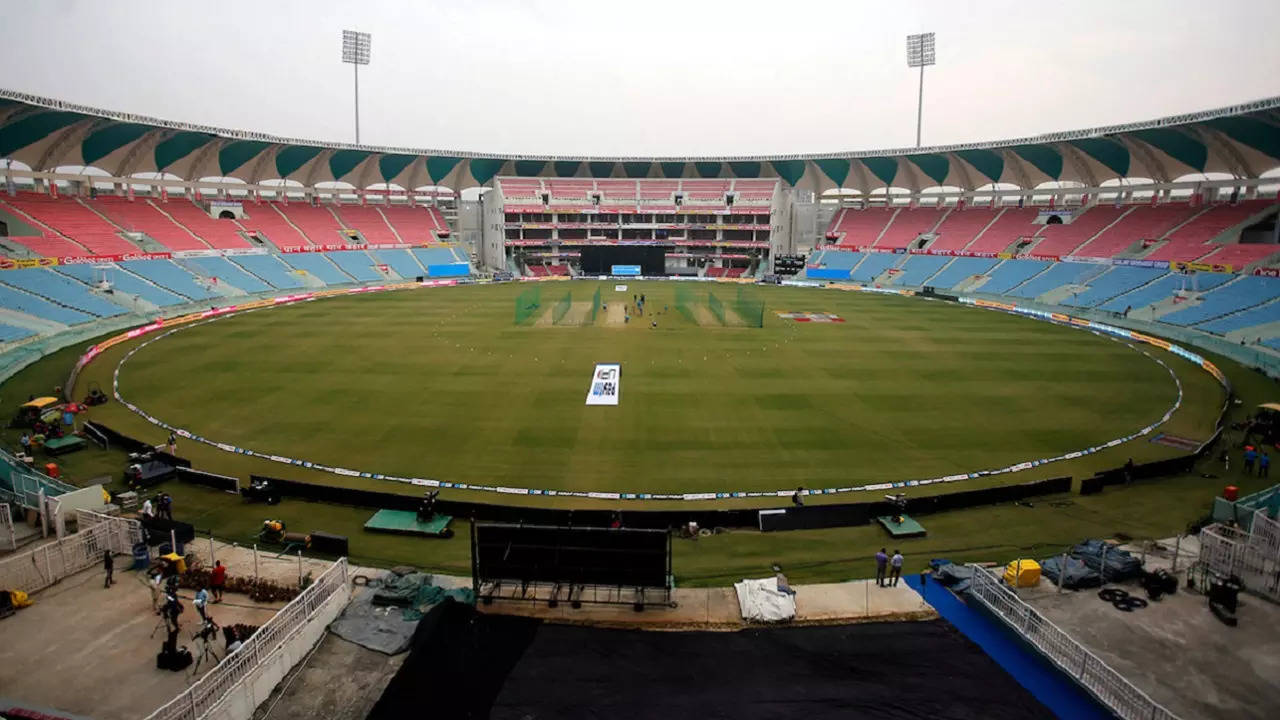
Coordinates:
562 308
595 304
716 307
527 304
684 302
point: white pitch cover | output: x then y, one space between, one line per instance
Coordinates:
606 384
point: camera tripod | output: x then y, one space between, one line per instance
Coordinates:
204 637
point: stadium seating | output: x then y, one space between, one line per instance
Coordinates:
1012 224
435 256
1232 297
521 188
538 271
1142 222
141 216
960 228
169 276
906 225
415 225
1063 240
355 263
370 223
919 268
221 234
861 228
267 221
715 272
1059 274
229 273
62 290
1240 255
1188 242
125 283
11 299
1160 290
270 269
69 217
317 223
49 245
659 189
839 259
319 266
873 265
437 217
401 261
1116 281
735 272
1261 315
617 189
1010 274
9 333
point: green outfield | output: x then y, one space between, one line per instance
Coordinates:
442 383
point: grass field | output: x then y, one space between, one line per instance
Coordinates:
903 388
442 385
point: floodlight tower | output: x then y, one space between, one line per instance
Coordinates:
355 51
920 52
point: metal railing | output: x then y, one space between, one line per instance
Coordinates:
204 696
122 533
1253 556
1108 686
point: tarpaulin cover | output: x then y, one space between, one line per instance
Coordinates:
956 577
1078 575
762 601
1120 564
383 616
467 664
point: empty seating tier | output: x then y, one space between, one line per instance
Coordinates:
906 225
861 228
12 299
370 223
141 216
1116 281
270 224
960 228
126 283
415 225
228 272
355 263
62 290
1191 241
169 276
70 218
401 261
319 266
316 222
1058 275
1063 240
1232 297
9 333
270 269
1262 315
873 265
218 233
919 268
1010 274
1140 223
1013 223
1161 290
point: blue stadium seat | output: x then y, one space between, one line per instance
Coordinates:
919 268
62 290
126 283
1116 281
873 265
1243 293
1010 274
355 263
317 265
269 268
435 256
1273 343
1160 290
11 299
229 273
1063 273
169 276
401 262
1257 316
9 333
961 269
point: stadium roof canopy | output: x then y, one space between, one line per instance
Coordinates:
1242 141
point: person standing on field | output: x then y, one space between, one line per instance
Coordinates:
1264 465
882 564
109 565
896 563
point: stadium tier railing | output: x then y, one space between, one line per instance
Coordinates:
1110 688
235 686
48 564
22 485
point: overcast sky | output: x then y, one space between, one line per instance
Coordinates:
654 77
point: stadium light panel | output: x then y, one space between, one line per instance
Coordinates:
921 50
355 47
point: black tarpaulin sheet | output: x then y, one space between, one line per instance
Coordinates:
466 664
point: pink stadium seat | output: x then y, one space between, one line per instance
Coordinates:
369 221
862 227
49 245
221 234
73 220
1143 222
1062 240
141 216
715 272
735 272
316 222
1238 255
1188 242
907 224
416 225
961 227
538 271
265 219
1012 224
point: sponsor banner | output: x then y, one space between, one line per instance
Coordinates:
1138 263
606 384
1199 267
1267 272
1086 259
627 270
810 317
88 259
11 264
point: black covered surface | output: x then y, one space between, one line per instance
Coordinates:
599 260
574 555
466 664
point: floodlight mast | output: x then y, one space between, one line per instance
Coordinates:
920 52
355 51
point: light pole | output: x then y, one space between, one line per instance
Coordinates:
355 51
920 52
